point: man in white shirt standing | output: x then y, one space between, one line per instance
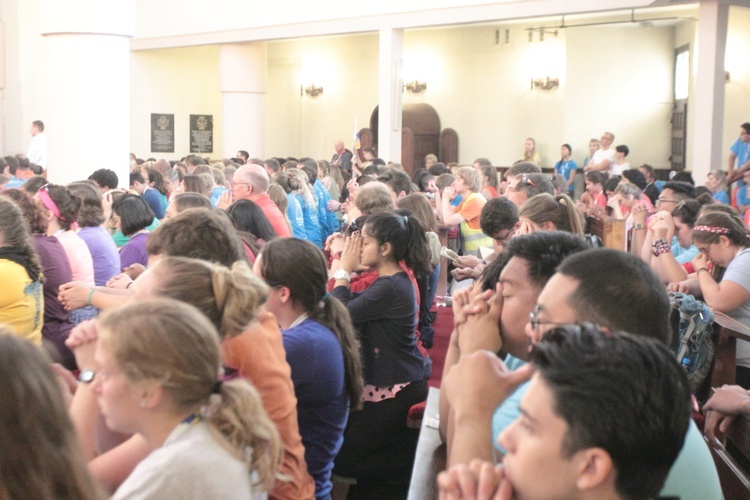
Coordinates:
604 156
38 146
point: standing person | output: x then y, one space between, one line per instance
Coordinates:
321 349
621 163
377 444
567 167
740 150
157 375
530 154
466 215
604 156
342 158
38 147
593 147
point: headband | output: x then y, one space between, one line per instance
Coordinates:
47 201
712 229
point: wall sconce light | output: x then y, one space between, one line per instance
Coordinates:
311 90
545 83
416 87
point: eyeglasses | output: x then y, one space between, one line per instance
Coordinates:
660 200
704 250
232 183
535 321
504 236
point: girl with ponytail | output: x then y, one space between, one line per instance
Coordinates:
251 347
377 444
321 348
158 375
545 212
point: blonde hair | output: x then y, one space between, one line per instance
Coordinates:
299 183
471 177
230 298
278 196
559 210
172 343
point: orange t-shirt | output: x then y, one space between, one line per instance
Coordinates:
471 208
258 355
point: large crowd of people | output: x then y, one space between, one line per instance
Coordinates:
252 328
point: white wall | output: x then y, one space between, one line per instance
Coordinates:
174 81
737 97
619 79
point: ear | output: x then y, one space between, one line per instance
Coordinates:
150 392
596 469
724 241
386 249
548 226
284 294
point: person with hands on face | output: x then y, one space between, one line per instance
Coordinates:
377 443
583 431
467 215
726 403
722 240
492 322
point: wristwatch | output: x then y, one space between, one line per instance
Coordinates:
86 376
340 274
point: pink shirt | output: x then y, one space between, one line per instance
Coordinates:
79 256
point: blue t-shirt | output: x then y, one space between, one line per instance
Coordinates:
742 198
294 214
216 193
566 169
310 217
153 198
681 254
327 219
721 197
742 151
314 354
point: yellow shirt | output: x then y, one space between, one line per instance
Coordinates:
21 302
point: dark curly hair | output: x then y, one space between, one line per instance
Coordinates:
31 209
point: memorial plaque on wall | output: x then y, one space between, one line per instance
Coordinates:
162 133
201 133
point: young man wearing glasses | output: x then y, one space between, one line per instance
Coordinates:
609 288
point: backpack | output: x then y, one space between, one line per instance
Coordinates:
693 342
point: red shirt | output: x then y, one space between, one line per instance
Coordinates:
274 215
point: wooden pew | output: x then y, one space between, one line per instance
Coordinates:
431 457
732 454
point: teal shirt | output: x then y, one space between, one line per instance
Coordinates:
121 239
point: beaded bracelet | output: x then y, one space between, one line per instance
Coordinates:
660 246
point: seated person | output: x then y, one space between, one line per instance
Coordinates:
524 186
583 430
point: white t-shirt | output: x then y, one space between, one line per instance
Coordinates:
738 271
602 154
192 464
619 169
38 150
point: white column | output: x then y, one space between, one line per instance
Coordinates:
87 73
708 110
390 84
242 71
